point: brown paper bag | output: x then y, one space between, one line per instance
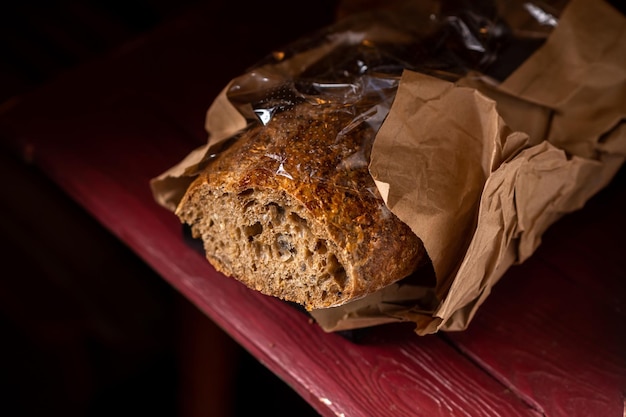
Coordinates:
465 171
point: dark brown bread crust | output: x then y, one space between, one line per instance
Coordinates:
291 210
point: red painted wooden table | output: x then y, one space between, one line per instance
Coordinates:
549 341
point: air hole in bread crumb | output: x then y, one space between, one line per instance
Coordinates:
249 204
341 277
297 219
320 247
245 192
276 213
337 271
253 230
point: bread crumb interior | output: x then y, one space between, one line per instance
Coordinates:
269 245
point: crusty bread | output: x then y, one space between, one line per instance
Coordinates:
291 210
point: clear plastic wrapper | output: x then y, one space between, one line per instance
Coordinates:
359 60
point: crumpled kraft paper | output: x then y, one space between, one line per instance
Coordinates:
480 171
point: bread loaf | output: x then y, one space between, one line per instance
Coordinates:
290 209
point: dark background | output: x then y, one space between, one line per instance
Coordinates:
87 329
